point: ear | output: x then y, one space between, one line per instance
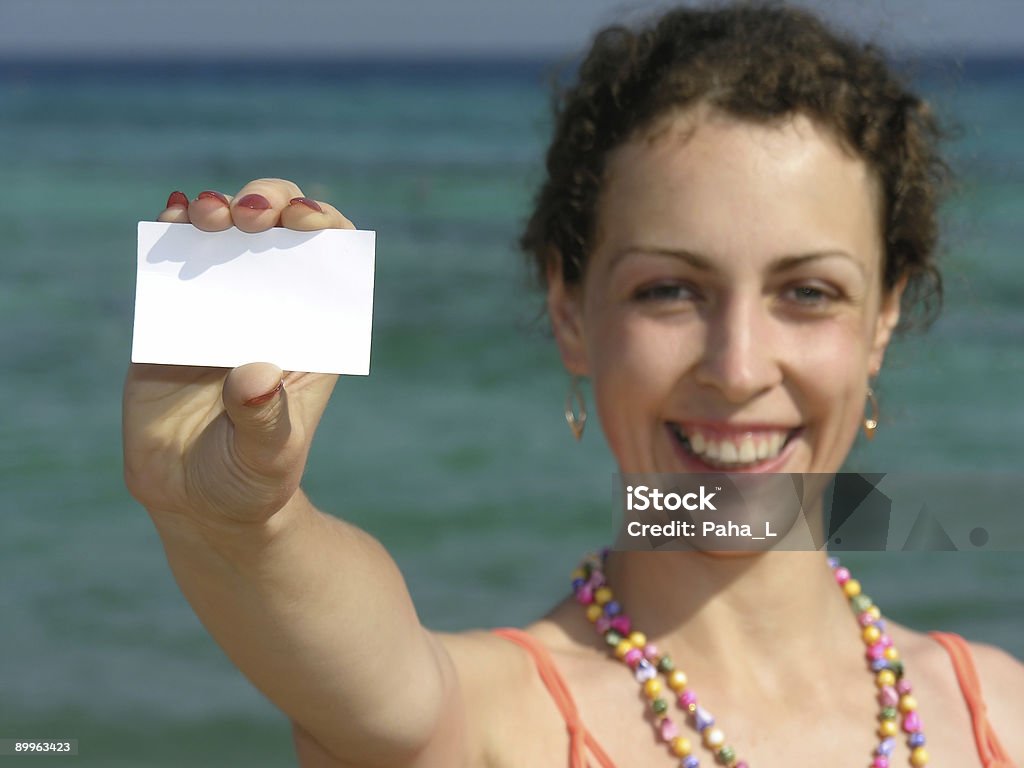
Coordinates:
885 324
565 309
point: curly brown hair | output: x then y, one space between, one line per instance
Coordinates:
756 62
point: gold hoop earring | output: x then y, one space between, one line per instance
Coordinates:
575 408
871 422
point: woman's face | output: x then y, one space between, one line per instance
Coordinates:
732 309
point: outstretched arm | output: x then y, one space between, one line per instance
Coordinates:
317 616
310 608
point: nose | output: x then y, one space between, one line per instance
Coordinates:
740 357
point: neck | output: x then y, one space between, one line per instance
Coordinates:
756 620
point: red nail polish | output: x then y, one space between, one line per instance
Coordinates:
265 397
313 205
209 194
177 199
253 201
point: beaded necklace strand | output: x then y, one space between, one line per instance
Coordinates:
897 706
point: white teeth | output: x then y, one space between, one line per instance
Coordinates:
747 451
729 452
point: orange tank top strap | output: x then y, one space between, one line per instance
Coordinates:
989 749
580 739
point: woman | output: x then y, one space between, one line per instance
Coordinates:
738 205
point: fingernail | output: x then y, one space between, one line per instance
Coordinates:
253 201
313 205
209 194
266 396
177 199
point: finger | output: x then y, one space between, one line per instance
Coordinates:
210 211
258 205
251 384
306 215
176 210
253 397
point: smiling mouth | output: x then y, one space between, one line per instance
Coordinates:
740 450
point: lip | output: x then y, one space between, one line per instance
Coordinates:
692 463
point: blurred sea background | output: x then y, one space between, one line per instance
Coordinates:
454 451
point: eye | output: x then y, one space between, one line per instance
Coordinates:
668 291
811 294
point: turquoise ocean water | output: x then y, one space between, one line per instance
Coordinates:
454 451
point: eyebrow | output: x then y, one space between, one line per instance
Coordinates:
704 264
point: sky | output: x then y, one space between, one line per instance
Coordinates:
254 28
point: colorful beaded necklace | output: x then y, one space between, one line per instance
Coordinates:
898 708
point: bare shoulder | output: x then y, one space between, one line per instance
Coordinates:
486 662
1002 683
503 697
1001 677
499 711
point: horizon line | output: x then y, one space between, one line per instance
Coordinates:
282 55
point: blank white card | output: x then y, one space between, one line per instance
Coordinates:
300 300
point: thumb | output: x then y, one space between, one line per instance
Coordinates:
257 405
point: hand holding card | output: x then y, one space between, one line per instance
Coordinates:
231 294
